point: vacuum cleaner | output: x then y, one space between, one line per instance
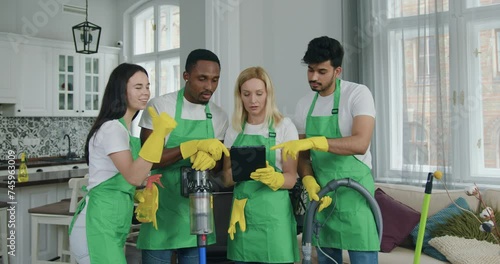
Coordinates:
313 205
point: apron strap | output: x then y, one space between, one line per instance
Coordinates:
79 208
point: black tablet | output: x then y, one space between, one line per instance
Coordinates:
245 160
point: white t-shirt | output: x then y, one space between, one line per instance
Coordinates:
110 138
285 131
355 99
167 102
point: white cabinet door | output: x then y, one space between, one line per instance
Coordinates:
33 81
92 84
80 82
7 60
66 85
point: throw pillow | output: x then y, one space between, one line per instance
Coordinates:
466 251
439 218
463 225
395 230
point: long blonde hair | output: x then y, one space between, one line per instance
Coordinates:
240 114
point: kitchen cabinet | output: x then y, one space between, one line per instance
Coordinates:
48 78
33 78
49 188
30 197
80 83
8 59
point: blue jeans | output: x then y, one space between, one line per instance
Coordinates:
184 256
356 257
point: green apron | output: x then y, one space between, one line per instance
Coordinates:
352 225
173 211
109 214
271 233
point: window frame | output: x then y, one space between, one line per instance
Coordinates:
156 56
389 135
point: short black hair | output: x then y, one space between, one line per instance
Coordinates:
322 49
200 54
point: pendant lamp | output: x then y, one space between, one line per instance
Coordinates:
86 35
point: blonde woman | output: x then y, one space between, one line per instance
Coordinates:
266 230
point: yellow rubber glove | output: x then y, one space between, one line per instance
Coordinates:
211 146
237 215
139 196
312 188
148 201
202 161
324 203
269 177
163 124
293 147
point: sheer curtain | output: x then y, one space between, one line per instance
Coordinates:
432 66
406 64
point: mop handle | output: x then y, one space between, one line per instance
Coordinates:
423 215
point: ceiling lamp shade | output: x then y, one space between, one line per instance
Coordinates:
86 35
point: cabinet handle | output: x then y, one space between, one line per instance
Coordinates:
77 111
18 110
83 111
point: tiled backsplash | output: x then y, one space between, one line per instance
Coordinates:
43 136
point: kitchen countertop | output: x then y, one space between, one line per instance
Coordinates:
41 178
43 162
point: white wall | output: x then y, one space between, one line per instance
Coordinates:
274 34
269 33
46 19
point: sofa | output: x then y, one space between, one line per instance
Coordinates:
412 197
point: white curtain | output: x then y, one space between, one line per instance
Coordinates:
433 69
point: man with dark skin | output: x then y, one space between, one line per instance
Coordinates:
196 142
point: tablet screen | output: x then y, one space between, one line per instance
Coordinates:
245 160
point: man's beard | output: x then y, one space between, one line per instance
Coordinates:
322 88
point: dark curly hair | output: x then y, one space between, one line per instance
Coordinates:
322 49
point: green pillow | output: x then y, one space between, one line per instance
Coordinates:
432 221
463 225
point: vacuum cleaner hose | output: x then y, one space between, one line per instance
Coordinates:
311 213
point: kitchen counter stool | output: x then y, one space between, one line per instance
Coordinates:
3 232
52 214
60 214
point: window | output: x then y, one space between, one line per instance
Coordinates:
436 53
156 44
155 27
412 94
426 71
409 8
483 99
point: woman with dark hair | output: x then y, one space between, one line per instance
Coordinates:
117 164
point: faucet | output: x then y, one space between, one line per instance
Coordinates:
68 156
